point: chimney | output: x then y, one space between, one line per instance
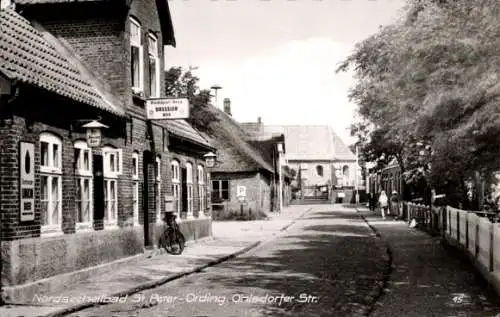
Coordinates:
259 120
227 106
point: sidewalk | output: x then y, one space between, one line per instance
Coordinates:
428 279
145 272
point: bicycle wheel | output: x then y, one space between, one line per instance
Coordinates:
177 242
165 240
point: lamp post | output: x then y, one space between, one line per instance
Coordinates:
356 176
280 182
210 159
216 88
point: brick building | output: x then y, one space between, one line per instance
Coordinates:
63 64
247 162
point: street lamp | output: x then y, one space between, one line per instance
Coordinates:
216 88
280 193
210 160
94 133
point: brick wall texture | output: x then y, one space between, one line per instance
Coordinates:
99 33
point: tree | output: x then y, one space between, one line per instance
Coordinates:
181 83
428 84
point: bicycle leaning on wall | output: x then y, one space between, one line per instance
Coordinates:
172 239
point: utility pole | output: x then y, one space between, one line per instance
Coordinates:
356 176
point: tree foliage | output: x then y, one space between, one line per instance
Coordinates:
182 83
428 86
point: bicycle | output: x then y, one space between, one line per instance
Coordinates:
172 239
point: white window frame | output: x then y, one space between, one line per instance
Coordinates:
110 214
202 191
158 189
113 162
137 42
190 190
176 183
52 170
153 53
135 188
84 174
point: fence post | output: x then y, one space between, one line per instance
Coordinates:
467 231
491 247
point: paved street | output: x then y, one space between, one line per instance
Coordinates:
327 264
428 279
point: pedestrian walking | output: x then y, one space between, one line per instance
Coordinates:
383 200
372 200
394 204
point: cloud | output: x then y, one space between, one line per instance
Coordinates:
294 83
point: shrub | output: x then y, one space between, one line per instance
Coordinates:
236 214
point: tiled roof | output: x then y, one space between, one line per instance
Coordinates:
311 142
28 56
184 130
341 150
234 152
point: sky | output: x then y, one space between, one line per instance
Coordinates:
276 59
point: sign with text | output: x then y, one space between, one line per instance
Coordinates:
27 181
241 193
167 108
93 137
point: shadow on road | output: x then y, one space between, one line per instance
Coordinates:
333 256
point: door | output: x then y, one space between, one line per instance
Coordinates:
184 193
148 197
98 173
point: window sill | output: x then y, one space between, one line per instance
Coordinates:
51 231
84 227
111 226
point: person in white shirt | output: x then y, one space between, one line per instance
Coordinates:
383 200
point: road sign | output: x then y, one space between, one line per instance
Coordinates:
167 108
241 193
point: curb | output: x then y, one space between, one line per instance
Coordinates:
379 289
170 278
153 284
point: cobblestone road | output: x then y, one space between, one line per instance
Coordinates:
328 264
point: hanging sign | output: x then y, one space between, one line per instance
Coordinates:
27 181
94 137
167 108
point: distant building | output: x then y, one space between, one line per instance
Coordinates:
244 163
324 164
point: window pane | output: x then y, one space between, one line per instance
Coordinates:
225 195
77 159
134 166
86 160
112 162
55 200
55 157
112 192
152 76
215 185
135 66
86 189
44 152
45 203
225 185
